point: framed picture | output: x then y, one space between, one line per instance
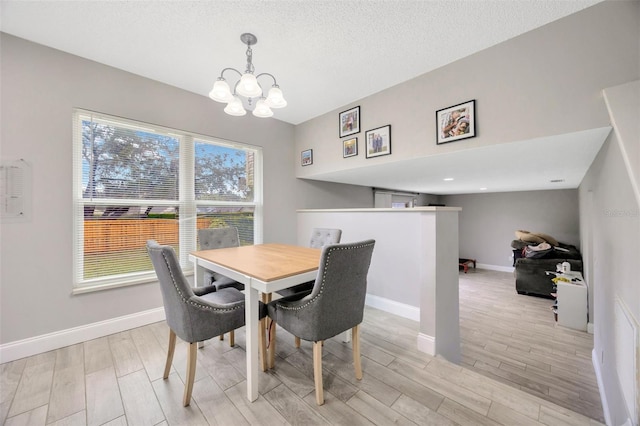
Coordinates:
349 122
307 157
378 141
349 147
456 122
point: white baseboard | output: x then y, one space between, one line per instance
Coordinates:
603 396
59 339
427 344
393 307
495 267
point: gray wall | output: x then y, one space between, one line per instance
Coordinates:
488 221
543 83
315 194
40 86
549 81
610 223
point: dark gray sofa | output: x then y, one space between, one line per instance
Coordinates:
531 277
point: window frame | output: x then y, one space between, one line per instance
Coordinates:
187 203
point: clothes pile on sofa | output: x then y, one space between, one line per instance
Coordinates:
535 254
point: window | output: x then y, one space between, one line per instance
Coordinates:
135 181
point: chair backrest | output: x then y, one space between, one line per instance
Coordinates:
215 238
175 288
341 286
191 317
320 237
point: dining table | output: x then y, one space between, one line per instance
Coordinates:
262 268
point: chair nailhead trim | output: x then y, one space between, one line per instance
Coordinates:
324 277
191 302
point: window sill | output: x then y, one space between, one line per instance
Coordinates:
100 285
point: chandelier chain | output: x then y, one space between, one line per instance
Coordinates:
250 67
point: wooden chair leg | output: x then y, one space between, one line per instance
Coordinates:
297 342
266 298
317 371
222 336
355 342
170 350
263 337
262 344
271 332
191 373
232 338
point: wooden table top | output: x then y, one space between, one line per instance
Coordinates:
266 262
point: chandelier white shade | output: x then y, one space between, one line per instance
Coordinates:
262 109
221 92
275 99
235 107
248 87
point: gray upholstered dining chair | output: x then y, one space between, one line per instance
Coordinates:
192 314
335 305
320 237
216 238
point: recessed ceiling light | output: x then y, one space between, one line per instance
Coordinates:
447 179
483 189
556 180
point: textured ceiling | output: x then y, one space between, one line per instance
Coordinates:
324 53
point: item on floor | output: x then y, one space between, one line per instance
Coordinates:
465 263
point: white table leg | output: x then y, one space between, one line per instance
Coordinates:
346 336
251 327
198 274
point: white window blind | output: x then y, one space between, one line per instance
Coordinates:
225 190
134 182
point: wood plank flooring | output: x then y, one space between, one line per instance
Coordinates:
518 368
514 339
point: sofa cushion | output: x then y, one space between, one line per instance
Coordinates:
532 278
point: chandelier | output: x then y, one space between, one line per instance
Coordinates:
248 87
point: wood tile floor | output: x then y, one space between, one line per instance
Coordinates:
518 368
514 339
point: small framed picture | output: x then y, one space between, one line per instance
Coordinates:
456 122
307 157
349 122
349 147
378 141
